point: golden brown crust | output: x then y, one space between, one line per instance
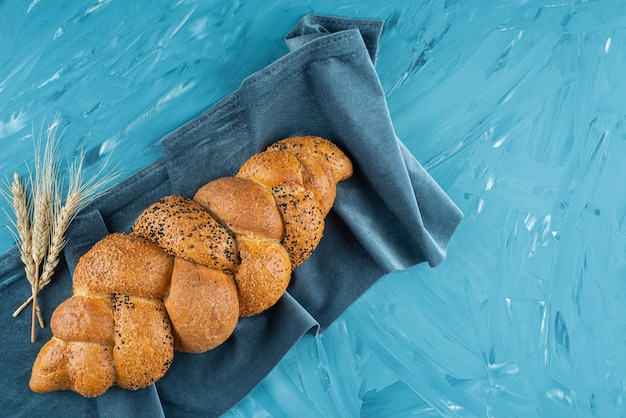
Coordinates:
86 368
50 371
183 228
272 168
263 275
243 205
144 347
90 368
123 263
202 305
82 318
304 222
319 178
340 163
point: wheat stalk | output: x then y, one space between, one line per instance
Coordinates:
44 189
21 204
42 219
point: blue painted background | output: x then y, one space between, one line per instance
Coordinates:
517 108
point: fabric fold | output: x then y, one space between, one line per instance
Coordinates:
210 383
117 402
313 26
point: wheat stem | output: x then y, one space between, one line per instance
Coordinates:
44 191
23 306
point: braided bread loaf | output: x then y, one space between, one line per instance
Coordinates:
189 269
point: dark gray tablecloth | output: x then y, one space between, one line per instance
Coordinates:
390 215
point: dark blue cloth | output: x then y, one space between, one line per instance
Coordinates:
390 215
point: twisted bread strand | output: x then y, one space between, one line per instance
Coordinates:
189 269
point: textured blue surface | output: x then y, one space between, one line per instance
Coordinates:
517 109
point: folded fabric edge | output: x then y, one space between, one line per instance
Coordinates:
440 221
118 402
336 44
312 26
308 325
314 331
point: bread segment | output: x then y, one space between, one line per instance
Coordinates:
124 263
304 222
244 206
144 346
263 275
315 145
202 305
183 228
84 318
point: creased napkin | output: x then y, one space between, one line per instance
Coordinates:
390 215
